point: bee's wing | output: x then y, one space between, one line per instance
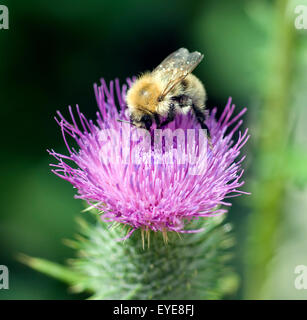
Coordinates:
177 66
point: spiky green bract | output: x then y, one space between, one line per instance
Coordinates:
192 266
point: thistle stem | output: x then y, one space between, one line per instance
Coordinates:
268 192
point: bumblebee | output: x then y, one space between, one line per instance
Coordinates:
168 90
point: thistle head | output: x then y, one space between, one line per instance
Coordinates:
159 180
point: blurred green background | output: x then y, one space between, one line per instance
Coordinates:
52 54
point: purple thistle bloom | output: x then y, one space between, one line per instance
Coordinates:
149 195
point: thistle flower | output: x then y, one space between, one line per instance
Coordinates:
150 188
162 180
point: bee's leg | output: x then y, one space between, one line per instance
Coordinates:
147 121
157 120
200 116
170 116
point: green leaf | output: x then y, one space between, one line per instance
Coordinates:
51 269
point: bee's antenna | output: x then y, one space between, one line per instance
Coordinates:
119 120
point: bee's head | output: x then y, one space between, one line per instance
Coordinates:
144 94
141 120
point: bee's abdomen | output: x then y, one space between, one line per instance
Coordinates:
194 88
